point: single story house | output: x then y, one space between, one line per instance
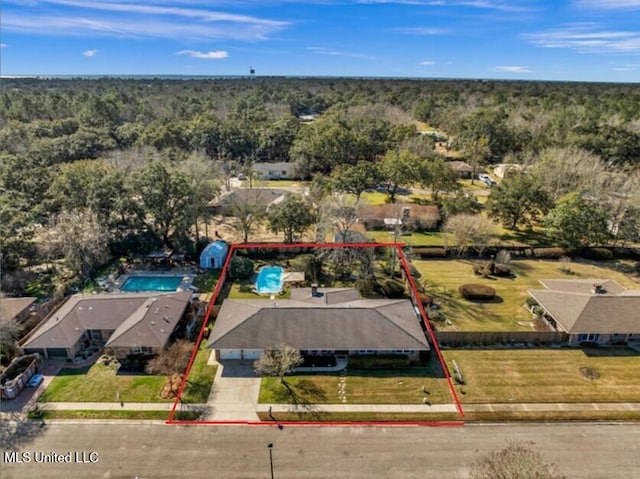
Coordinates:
462 169
18 309
258 198
316 321
214 254
280 170
410 215
128 323
590 310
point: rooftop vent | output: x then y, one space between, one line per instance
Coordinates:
314 290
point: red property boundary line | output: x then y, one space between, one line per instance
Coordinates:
221 280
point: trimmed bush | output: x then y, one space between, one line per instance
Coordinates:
367 286
550 253
392 289
477 291
426 300
414 271
430 252
240 267
598 254
390 361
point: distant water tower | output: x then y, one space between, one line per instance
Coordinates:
252 72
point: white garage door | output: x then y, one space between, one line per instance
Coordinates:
240 354
251 353
230 354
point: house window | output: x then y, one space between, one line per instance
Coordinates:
591 337
284 173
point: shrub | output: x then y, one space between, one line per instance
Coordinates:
390 361
392 289
240 268
367 286
477 291
414 271
598 254
550 253
478 269
426 300
430 252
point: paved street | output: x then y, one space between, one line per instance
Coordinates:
160 451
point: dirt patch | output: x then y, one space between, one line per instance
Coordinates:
589 373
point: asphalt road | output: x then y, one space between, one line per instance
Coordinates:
160 451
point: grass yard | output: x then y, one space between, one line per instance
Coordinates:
547 375
384 386
200 378
443 277
100 383
358 416
435 238
116 414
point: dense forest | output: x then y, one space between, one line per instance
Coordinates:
91 168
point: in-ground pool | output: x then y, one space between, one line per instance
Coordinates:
270 280
152 283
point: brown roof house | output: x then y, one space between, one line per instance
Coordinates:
18 309
410 215
128 323
462 169
591 310
316 321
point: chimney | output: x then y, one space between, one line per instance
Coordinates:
406 211
314 290
597 289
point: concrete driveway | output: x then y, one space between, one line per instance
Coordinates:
234 395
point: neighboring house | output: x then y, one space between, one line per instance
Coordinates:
18 309
317 322
410 215
503 170
261 198
275 171
590 310
462 169
214 255
130 323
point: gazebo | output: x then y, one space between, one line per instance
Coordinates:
214 255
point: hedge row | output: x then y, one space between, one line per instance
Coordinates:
382 361
477 291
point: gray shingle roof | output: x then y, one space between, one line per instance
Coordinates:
12 307
128 315
376 324
578 310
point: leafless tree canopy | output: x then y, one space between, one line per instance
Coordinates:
278 361
173 360
471 231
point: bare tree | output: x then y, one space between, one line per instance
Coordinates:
471 231
173 360
344 213
80 239
9 333
515 461
278 361
248 211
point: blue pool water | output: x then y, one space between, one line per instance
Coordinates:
270 280
151 283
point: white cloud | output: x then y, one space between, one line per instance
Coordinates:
427 63
421 31
339 53
3 45
90 53
512 69
137 20
588 38
609 4
212 55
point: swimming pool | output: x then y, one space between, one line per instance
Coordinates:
152 283
270 280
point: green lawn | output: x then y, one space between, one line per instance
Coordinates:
443 277
414 239
547 375
100 383
200 378
371 386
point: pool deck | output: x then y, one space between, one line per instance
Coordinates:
186 285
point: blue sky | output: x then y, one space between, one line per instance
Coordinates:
584 40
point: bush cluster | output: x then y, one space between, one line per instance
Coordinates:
598 254
430 252
392 289
477 291
550 253
391 361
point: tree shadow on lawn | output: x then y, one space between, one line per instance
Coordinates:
469 310
74 371
304 395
